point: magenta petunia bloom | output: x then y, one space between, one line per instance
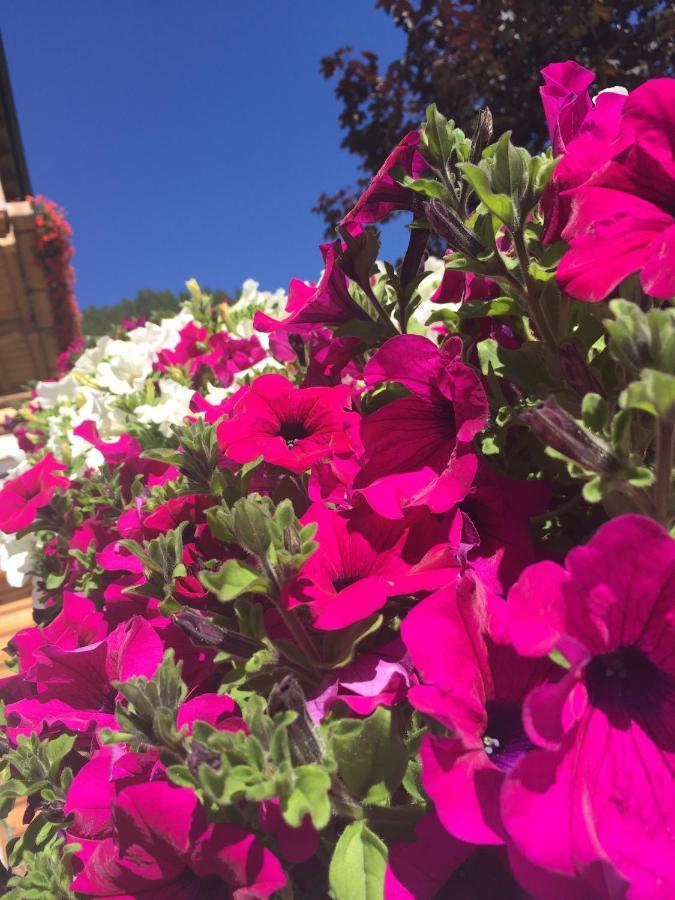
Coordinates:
73 687
437 865
446 406
163 846
192 342
623 215
565 99
463 287
474 683
79 623
369 681
582 133
22 497
309 307
384 195
417 448
288 426
363 560
603 780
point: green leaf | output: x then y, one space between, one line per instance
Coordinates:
594 412
309 797
477 309
438 135
426 186
233 579
372 757
54 581
511 169
358 865
532 367
499 204
654 393
557 657
592 490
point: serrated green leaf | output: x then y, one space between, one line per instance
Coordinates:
308 797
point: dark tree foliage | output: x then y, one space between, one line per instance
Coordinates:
100 320
458 54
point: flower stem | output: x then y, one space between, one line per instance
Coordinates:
665 442
292 623
379 309
531 294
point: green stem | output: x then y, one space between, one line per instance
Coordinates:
665 442
383 815
292 623
530 293
379 309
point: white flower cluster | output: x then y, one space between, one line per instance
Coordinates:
103 374
104 386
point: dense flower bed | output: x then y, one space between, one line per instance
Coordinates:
379 600
54 250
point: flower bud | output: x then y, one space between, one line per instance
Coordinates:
558 430
482 135
451 229
576 372
199 754
306 743
203 632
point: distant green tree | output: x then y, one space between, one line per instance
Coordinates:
100 320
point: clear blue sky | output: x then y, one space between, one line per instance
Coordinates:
186 139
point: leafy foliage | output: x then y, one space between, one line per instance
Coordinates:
452 50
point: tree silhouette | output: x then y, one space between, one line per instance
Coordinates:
462 55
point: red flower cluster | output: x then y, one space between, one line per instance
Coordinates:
54 250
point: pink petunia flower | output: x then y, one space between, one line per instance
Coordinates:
78 624
474 683
22 497
446 406
384 195
363 560
371 680
437 865
581 131
623 215
74 687
327 304
163 846
417 448
603 778
564 96
288 426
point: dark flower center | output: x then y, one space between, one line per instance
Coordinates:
505 740
292 432
626 681
343 581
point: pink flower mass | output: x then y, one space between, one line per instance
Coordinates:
380 601
604 770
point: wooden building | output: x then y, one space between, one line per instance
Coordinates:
29 345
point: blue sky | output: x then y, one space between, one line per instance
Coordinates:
186 140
